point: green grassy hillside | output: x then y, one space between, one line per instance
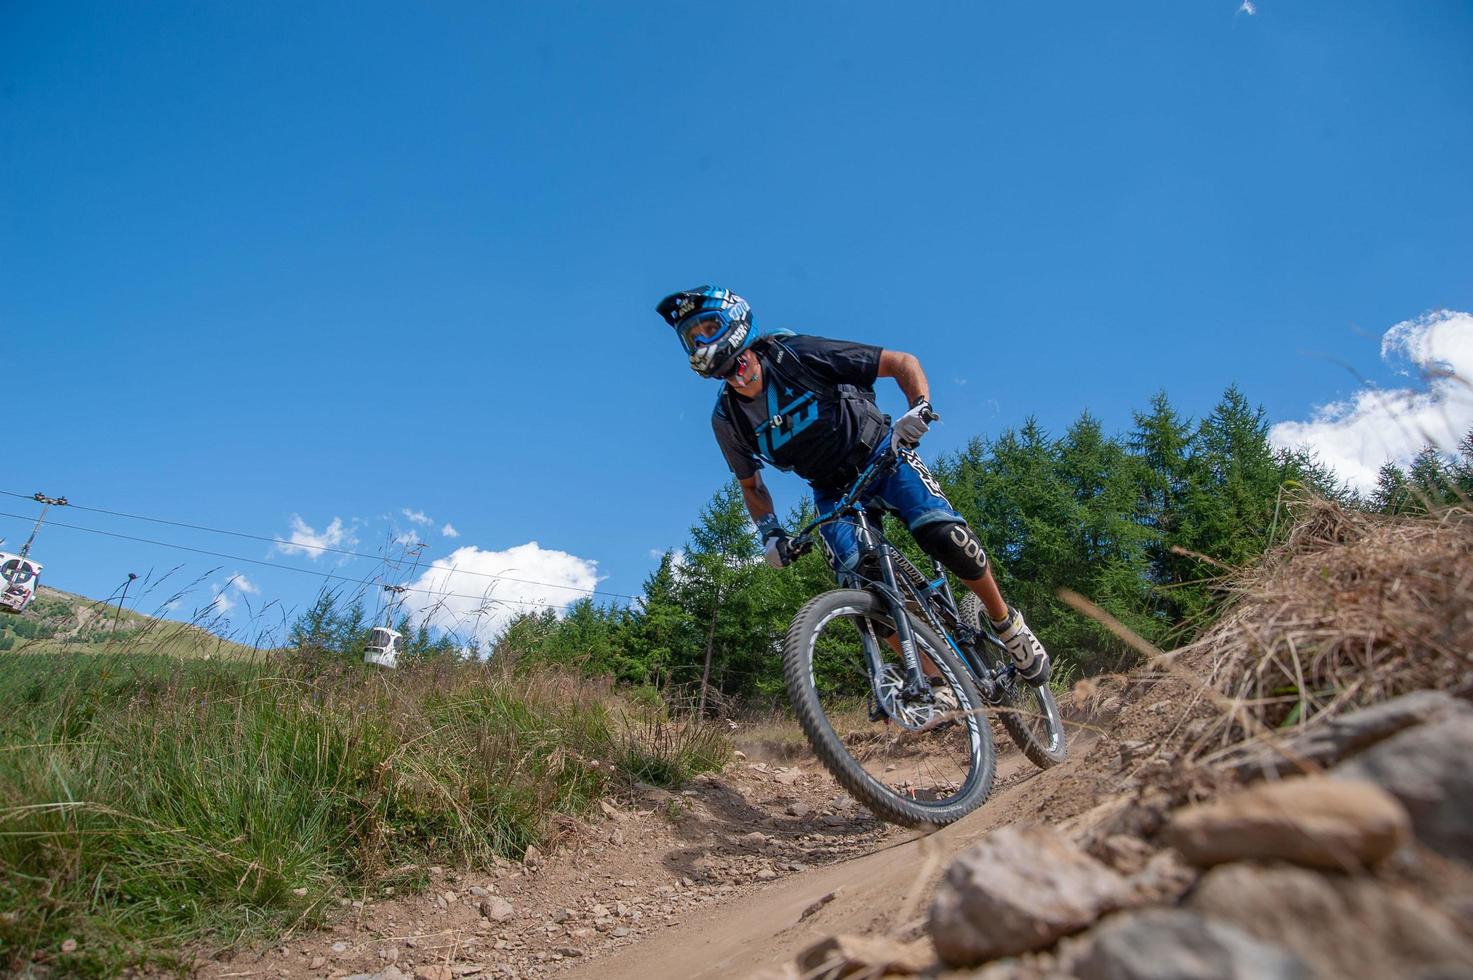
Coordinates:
59 621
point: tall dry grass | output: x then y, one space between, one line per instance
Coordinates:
148 802
1352 609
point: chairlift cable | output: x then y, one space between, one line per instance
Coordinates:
293 568
315 547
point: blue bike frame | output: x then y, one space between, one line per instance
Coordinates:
887 573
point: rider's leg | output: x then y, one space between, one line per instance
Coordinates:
945 535
928 666
841 548
840 545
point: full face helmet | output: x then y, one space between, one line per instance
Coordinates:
714 326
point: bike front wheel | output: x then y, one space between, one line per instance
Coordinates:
927 761
1027 711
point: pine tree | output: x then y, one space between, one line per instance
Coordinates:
1232 493
1392 494
1462 467
1110 562
351 629
1432 475
316 628
661 627
716 572
1304 467
1160 443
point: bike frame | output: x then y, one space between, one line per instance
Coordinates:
876 572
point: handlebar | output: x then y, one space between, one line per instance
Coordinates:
882 461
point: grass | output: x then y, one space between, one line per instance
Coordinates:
149 804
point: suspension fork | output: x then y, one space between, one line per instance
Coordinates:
915 682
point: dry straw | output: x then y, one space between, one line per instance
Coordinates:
1352 609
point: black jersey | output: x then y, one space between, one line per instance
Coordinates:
816 414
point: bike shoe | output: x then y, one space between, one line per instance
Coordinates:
946 701
945 711
1028 654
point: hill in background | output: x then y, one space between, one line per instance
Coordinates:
57 621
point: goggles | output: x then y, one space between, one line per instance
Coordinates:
701 329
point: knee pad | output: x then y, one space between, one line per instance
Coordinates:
954 545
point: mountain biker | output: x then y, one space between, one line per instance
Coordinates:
806 404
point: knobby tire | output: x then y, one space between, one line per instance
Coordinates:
884 801
1022 697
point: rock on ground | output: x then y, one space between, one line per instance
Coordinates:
1173 944
1018 889
1162 881
868 956
387 973
497 909
1344 735
1428 768
1351 927
1313 821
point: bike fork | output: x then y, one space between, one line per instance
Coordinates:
915 682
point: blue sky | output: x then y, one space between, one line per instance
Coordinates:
260 261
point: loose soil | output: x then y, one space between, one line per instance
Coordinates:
734 873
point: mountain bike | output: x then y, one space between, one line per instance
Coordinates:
892 680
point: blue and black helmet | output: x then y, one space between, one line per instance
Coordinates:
714 326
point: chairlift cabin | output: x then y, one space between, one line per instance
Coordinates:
19 577
383 648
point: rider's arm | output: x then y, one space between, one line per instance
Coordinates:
758 500
906 371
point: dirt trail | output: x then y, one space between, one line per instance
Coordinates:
884 891
712 881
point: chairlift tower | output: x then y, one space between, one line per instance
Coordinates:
382 649
21 573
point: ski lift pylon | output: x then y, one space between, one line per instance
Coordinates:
19 577
20 574
383 647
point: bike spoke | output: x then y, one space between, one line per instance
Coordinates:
924 751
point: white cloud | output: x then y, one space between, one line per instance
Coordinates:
1376 425
417 516
455 594
221 602
1248 7
449 530
305 540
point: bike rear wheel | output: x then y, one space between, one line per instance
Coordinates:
933 762
1027 711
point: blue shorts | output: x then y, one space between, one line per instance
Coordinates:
910 492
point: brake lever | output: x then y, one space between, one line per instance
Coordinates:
929 415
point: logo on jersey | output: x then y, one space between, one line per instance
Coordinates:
787 416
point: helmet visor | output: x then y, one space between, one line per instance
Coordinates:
700 329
